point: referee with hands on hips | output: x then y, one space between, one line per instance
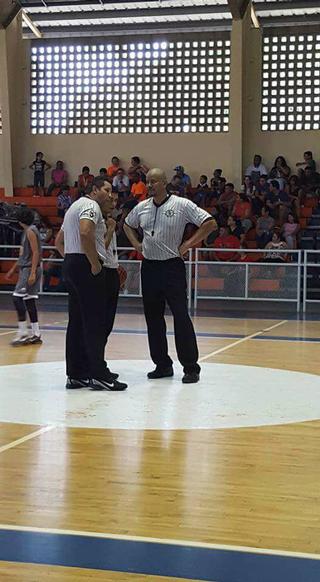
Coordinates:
162 219
82 242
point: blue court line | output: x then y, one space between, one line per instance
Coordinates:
140 557
286 338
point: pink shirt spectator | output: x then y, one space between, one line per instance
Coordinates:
59 176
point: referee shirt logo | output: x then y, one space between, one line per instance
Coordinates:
169 213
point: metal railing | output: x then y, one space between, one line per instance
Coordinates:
250 281
311 277
131 285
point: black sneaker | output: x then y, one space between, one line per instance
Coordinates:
112 375
107 384
161 373
191 378
74 383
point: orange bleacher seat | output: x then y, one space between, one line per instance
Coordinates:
211 284
5 266
1 192
264 285
4 281
303 222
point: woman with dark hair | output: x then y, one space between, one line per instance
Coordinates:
274 246
280 171
290 230
137 168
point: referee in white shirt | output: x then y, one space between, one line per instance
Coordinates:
81 241
162 219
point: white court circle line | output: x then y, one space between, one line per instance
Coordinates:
227 396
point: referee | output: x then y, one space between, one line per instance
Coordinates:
162 219
81 241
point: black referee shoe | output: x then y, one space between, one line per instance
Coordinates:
74 383
161 373
107 384
191 378
112 375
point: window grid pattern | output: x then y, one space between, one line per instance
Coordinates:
139 87
291 82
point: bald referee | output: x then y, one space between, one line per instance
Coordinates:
163 218
82 242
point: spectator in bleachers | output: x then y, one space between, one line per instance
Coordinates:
227 200
104 174
185 178
84 180
257 200
284 205
115 165
245 256
280 171
236 228
59 177
176 186
274 246
121 184
248 186
242 211
264 228
221 186
39 167
293 188
202 192
272 198
214 182
45 230
310 181
226 240
290 230
64 201
137 168
262 186
308 161
257 169
138 188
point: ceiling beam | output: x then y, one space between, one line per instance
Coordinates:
238 8
132 29
39 4
285 5
299 20
132 13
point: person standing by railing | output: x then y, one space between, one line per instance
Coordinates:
28 285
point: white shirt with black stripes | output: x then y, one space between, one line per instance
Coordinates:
84 208
163 225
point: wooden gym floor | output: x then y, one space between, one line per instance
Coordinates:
231 501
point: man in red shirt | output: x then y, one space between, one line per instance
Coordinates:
226 240
84 180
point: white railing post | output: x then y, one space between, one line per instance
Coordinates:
299 283
189 283
246 289
196 279
305 275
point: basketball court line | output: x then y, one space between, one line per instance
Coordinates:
242 340
163 541
26 438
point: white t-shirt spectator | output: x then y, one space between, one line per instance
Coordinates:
256 171
120 182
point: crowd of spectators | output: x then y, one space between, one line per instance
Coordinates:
266 208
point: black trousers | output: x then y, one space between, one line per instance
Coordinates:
165 281
92 306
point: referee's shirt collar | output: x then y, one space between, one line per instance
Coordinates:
163 201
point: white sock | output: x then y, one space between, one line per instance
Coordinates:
23 330
35 328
